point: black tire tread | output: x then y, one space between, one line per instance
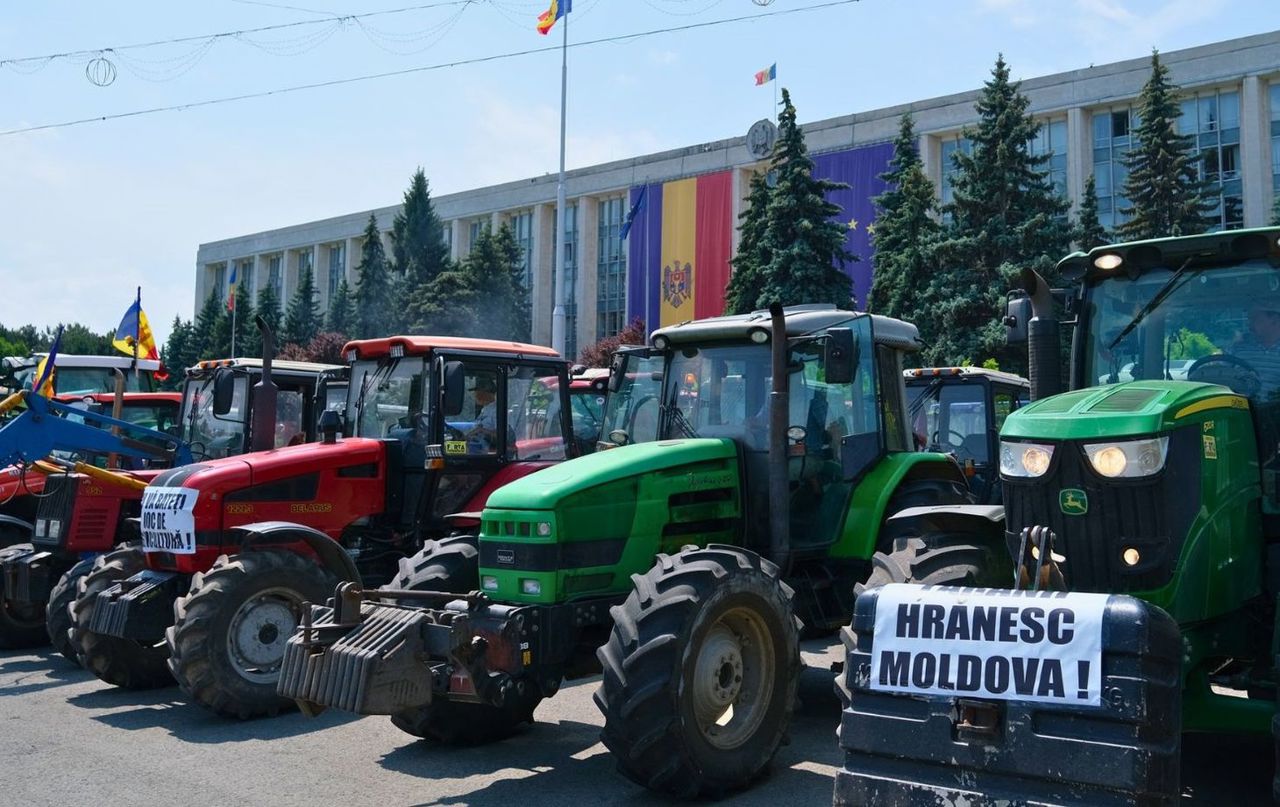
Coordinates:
19 631
57 613
121 662
923 492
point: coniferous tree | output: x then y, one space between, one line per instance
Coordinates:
1005 216
302 322
209 330
373 299
905 233
248 341
1164 188
417 241
269 309
742 295
507 278
177 353
806 245
1089 230
342 310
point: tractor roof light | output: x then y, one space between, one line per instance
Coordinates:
396 351
1108 261
661 342
352 355
759 335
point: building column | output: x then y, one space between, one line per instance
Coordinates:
542 258
1255 151
495 221
1079 154
930 148
354 246
460 247
587 286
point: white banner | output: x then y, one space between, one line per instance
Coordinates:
1042 646
168 520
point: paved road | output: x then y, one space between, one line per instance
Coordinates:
67 739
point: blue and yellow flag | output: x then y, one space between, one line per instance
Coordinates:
134 337
45 369
548 18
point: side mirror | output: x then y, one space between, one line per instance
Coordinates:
840 355
1017 314
330 425
453 388
224 390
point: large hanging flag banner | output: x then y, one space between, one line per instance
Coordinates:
678 249
860 169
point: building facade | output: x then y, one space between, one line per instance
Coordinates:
674 262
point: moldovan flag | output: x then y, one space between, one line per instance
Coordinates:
45 369
548 18
767 75
135 330
231 290
679 249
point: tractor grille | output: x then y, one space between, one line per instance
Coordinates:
1151 515
57 504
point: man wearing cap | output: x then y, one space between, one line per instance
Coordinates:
1260 348
485 404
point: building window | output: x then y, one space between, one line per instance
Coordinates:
1212 117
521 225
611 269
571 281
1111 143
949 170
446 235
474 233
1275 138
337 267
275 275
306 263
220 280
1051 142
247 277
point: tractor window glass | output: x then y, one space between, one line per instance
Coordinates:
159 417
956 422
588 413
1002 404
892 407
631 413
90 380
213 436
534 423
382 396
718 392
474 430
289 429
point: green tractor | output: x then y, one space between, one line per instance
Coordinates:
1154 477
742 485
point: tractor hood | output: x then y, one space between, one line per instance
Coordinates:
265 467
1122 410
545 490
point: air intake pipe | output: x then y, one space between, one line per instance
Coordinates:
1044 349
779 413
264 395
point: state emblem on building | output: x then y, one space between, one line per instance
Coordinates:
677 283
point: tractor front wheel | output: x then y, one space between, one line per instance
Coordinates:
700 672
229 631
125 663
57 614
21 624
452 565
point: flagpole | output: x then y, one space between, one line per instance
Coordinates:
558 284
233 321
137 334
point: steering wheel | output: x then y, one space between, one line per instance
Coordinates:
454 433
1245 381
957 446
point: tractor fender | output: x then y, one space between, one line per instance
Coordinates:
332 556
982 520
17 523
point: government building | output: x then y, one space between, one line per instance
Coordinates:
673 265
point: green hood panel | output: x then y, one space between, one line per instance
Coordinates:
548 488
1119 410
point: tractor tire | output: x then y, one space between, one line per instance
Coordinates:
700 672
937 559
11 534
452 565
57 614
21 626
125 663
229 630
919 493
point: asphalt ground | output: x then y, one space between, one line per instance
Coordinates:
68 739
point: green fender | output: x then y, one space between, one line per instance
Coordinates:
860 535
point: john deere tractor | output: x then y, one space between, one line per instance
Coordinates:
747 467
1154 477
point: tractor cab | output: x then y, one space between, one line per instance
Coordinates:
959 411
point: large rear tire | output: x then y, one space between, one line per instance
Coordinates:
229 631
452 565
57 614
124 663
700 672
21 624
918 493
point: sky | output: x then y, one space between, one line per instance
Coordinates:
89 212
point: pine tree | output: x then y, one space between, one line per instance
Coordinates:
177 353
1089 230
269 310
515 294
373 299
1164 185
342 310
742 295
905 231
417 236
210 329
302 322
806 244
1005 216
248 341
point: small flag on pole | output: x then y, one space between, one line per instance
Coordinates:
134 337
631 216
548 18
767 75
231 289
44 384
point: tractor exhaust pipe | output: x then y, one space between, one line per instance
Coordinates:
264 394
1044 349
779 413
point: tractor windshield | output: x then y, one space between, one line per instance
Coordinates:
213 436
384 396
631 413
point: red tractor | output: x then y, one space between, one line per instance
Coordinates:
232 548
78 516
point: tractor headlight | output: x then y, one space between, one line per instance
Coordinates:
55 528
544 529
1128 458
489 583
1025 459
532 588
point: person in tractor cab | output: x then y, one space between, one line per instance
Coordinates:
482 435
1260 347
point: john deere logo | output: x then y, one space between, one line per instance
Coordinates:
1073 501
